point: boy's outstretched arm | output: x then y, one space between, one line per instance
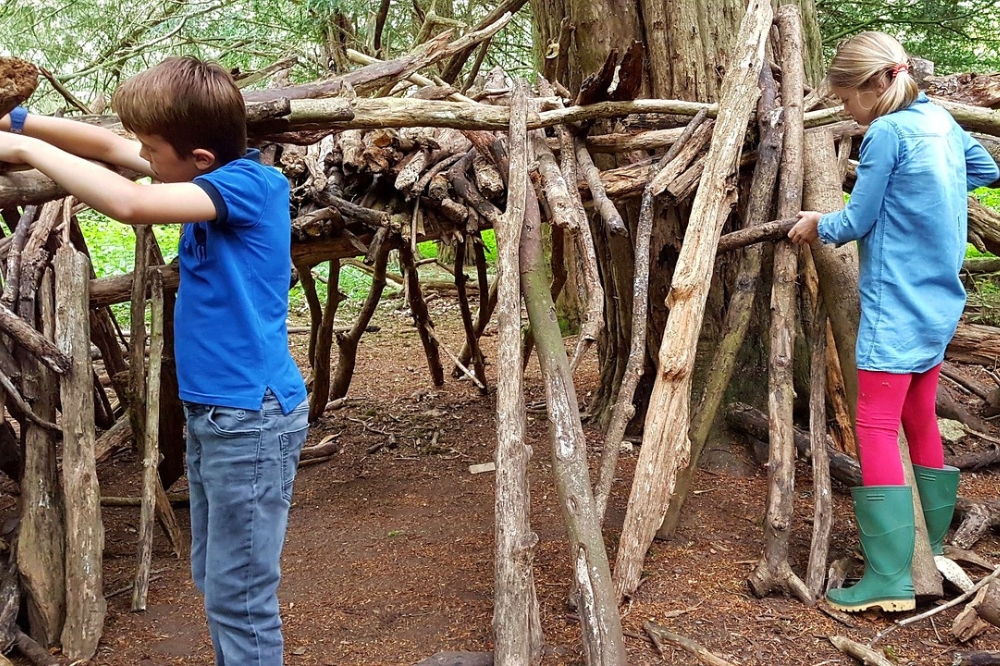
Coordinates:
90 141
106 191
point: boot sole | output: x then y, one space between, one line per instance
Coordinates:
887 605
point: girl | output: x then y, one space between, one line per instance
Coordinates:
909 213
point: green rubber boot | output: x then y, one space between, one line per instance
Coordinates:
885 526
938 489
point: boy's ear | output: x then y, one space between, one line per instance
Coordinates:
204 159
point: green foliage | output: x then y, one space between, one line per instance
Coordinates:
91 46
956 36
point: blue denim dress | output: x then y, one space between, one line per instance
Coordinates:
909 214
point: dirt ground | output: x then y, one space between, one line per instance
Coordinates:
389 552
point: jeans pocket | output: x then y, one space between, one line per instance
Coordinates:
291 449
231 422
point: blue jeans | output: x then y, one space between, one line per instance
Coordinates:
241 465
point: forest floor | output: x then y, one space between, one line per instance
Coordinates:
389 554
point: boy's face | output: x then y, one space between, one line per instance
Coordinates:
170 167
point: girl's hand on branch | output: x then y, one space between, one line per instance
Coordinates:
806 230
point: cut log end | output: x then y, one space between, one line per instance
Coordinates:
18 80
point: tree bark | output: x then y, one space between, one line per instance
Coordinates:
41 543
667 446
85 604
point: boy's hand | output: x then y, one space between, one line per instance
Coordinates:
806 230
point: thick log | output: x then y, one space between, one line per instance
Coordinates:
837 267
516 624
972 118
984 227
968 88
666 447
597 607
753 422
85 604
975 343
773 572
977 518
41 543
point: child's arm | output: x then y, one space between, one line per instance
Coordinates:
106 191
980 168
85 140
879 153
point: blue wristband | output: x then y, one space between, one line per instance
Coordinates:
17 117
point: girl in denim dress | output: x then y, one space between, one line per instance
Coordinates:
908 213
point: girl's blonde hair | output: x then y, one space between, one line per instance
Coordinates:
864 59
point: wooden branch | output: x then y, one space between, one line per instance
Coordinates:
865 655
661 636
42 538
773 572
454 66
516 624
753 422
20 237
33 342
623 409
759 207
478 364
666 446
85 604
150 447
609 213
379 75
348 343
421 317
320 352
600 622
416 79
822 494
767 232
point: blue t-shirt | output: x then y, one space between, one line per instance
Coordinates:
231 339
909 213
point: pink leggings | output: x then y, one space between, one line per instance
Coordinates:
883 400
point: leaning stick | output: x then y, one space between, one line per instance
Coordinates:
150 456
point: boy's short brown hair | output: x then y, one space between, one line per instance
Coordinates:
188 103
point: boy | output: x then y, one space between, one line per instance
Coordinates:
243 395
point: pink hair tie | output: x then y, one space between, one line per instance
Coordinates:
901 67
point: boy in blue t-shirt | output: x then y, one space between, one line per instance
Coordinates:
244 397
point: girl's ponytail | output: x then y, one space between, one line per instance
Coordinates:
863 59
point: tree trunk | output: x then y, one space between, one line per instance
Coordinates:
667 446
687 45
